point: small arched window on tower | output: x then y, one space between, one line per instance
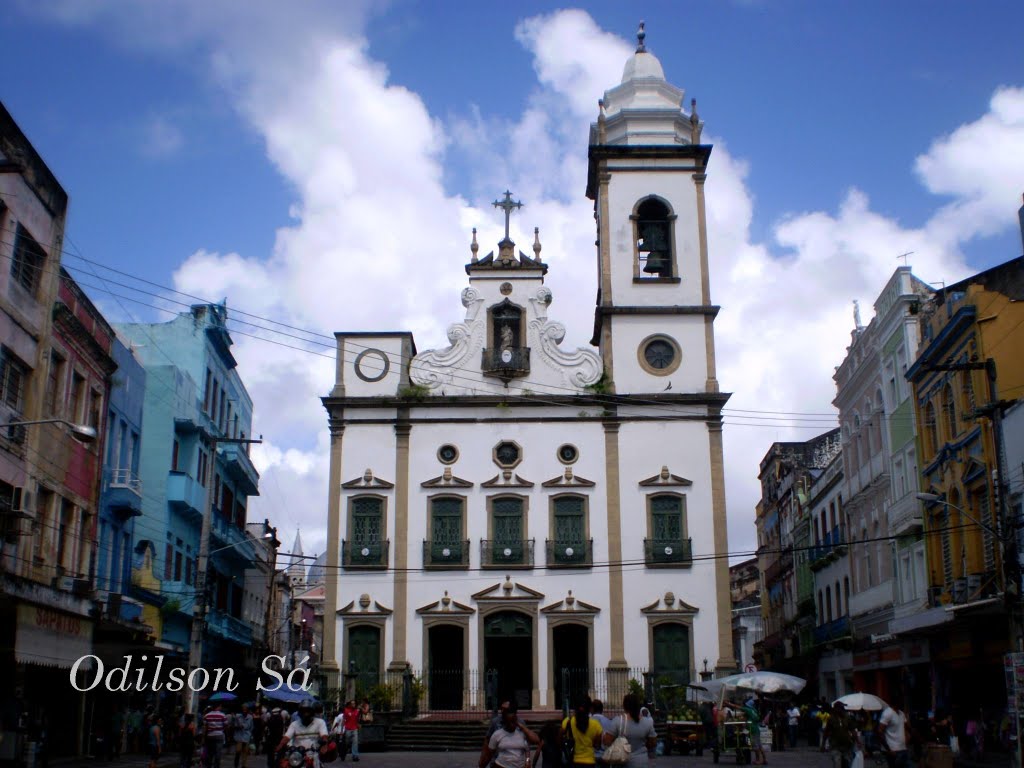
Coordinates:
506 357
655 256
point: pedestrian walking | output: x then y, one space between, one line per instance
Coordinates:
510 745
155 743
272 736
346 725
243 736
793 716
584 732
117 723
214 725
187 741
637 729
841 737
894 726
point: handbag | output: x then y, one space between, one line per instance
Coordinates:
619 751
569 743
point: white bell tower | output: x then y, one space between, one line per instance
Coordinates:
654 317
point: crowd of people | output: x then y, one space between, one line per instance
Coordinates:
249 730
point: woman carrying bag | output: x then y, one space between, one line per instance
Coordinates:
583 733
637 730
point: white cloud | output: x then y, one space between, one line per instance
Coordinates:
378 244
161 137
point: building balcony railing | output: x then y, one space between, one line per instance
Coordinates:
232 538
831 547
506 554
122 491
184 493
779 568
505 363
905 515
832 631
240 467
575 553
228 627
672 552
364 554
446 555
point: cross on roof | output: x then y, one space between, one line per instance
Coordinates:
507 205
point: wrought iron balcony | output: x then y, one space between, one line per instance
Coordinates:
831 547
505 363
446 555
574 553
832 631
516 553
122 491
668 551
228 627
364 554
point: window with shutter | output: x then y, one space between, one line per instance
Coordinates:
367 531
507 526
570 529
446 544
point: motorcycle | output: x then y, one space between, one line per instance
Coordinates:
300 757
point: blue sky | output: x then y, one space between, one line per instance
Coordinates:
257 150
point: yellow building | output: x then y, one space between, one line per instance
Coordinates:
971 361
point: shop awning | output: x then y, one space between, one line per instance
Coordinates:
52 638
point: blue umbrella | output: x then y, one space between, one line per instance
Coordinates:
223 696
292 694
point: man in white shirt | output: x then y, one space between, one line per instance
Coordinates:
793 716
306 732
894 730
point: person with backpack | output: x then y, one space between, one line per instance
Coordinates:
583 733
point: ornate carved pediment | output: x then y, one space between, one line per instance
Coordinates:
570 605
669 605
364 606
445 607
666 479
508 590
579 367
435 367
446 480
369 482
507 479
568 480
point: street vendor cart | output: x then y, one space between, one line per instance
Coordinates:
685 731
734 736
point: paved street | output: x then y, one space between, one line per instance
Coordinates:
800 758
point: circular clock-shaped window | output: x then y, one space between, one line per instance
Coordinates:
568 454
507 454
372 365
659 355
447 454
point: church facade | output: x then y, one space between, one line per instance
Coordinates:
509 514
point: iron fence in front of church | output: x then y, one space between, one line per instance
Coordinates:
460 694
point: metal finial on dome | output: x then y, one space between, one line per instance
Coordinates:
474 247
536 243
640 36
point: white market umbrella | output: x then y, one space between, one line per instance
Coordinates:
762 681
861 702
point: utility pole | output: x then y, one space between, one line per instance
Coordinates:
195 656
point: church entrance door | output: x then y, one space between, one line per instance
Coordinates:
570 663
364 655
508 656
672 653
445 674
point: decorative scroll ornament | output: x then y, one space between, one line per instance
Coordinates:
434 367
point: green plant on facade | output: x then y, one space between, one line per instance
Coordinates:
603 386
414 392
169 608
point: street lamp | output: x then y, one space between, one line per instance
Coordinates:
933 498
82 432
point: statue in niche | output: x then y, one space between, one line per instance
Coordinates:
506 336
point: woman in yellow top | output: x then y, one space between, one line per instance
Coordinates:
585 732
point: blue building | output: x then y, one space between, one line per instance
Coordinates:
193 397
121 494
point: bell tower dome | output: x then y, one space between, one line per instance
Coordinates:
654 317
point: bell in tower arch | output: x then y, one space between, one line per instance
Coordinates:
654 242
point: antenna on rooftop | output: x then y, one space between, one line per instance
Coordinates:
904 257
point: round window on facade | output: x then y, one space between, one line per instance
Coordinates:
372 365
507 454
568 454
659 354
447 454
